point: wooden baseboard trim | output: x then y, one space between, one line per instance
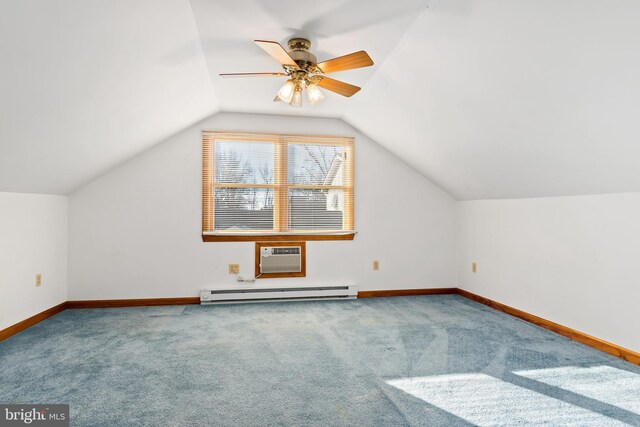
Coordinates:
607 347
406 292
141 302
27 323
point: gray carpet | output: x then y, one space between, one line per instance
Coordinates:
415 361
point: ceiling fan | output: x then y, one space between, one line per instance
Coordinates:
304 72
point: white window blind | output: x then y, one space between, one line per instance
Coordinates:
277 184
244 185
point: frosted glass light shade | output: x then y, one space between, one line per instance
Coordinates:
296 99
286 92
314 94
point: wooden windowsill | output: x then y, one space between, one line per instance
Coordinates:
274 237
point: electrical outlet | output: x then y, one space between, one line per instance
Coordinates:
474 267
376 265
234 268
38 279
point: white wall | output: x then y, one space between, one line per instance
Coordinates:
135 232
572 260
33 239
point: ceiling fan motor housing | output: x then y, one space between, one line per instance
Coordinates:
300 53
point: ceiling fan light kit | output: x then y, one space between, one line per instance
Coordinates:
304 72
314 94
296 100
286 92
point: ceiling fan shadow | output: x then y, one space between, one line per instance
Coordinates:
192 50
358 14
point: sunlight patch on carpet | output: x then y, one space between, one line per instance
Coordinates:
487 401
604 383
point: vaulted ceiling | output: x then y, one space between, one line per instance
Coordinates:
228 27
87 84
489 99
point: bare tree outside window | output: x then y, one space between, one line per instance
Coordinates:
310 164
245 207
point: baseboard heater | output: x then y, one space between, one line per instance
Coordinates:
245 295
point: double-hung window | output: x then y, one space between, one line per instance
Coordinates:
277 187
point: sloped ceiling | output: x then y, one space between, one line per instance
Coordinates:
488 98
335 28
513 98
86 84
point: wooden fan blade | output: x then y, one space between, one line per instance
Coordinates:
342 88
252 74
347 62
277 52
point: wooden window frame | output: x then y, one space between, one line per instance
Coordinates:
280 186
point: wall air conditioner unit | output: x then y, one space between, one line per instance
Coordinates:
254 294
280 259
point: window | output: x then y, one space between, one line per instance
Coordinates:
260 187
